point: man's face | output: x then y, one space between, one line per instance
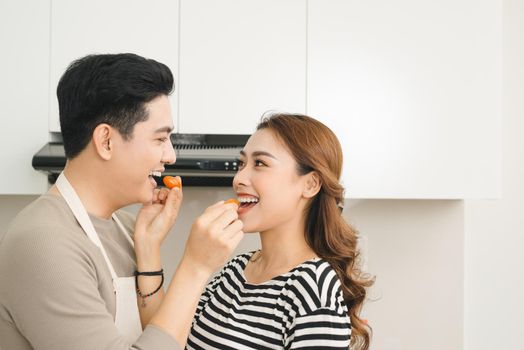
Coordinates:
147 151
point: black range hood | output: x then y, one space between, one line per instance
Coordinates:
201 159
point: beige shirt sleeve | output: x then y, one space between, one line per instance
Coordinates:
55 290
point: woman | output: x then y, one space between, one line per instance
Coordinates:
303 288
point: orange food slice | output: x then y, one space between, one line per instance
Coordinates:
171 181
233 200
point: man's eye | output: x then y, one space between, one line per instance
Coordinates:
163 139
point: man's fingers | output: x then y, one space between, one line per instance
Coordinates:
173 200
156 191
159 195
162 194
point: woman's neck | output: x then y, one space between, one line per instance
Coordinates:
281 251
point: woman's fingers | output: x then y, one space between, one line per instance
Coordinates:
226 217
214 235
235 239
233 229
214 211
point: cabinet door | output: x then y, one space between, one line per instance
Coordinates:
413 90
78 28
24 71
239 59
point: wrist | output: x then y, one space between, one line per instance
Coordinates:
148 274
191 266
148 259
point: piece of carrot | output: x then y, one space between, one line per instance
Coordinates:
171 181
233 200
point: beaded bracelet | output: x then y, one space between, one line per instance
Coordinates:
148 273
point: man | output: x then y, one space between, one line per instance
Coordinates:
69 261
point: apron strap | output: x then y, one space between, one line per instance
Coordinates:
127 319
74 202
123 229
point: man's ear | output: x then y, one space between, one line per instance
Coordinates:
312 185
102 140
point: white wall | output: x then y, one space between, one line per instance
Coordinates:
24 93
494 235
415 250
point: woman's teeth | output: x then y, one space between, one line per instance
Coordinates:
247 200
155 173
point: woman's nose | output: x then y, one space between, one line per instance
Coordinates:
241 178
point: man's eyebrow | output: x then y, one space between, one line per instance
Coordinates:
167 129
258 153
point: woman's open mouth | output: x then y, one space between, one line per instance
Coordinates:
246 203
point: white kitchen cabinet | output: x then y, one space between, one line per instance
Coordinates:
412 88
413 91
24 71
239 59
78 28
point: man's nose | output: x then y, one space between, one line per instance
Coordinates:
169 155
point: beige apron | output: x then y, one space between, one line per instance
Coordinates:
127 319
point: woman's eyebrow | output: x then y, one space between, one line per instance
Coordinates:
258 153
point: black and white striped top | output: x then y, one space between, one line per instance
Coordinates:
301 309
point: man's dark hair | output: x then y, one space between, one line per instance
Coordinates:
112 89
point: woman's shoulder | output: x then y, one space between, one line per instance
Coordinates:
319 279
237 263
234 266
317 271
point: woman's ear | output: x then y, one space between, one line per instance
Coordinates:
312 185
102 140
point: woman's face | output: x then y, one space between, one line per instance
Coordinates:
268 185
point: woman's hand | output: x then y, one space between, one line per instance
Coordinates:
213 237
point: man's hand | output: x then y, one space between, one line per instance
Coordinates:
154 220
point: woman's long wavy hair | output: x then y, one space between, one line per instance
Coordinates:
316 148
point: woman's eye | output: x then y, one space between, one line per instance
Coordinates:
259 163
163 139
240 163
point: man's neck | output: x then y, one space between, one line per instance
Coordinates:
91 187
